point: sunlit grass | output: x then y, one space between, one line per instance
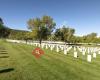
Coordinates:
22 65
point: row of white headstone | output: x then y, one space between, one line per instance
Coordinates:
52 46
89 50
65 48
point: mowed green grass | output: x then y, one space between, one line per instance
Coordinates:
18 63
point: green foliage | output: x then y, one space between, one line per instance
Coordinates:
1 26
59 35
67 35
41 27
18 34
4 31
64 34
1 21
90 38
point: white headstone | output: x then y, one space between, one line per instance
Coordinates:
42 45
51 47
36 44
39 45
74 48
69 48
94 55
75 54
65 51
57 48
88 50
46 46
59 45
62 48
98 52
89 58
83 52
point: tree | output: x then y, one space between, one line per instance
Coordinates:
59 35
68 33
41 27
19 34
51 37
90 38
4 31
1 21
1 24
65 34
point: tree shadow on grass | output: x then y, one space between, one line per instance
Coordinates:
3 53
6 70
4 56
2 49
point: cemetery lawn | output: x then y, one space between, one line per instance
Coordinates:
18 63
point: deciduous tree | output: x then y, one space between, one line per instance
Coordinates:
41 27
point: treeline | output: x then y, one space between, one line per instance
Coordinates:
43 29
67 35
4 31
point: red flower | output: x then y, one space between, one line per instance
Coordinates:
37 52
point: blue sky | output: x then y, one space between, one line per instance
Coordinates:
82 15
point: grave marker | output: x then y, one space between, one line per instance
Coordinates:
89 58
65 51
75 54
57 48
94 55
83 52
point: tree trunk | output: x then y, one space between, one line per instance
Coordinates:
40 41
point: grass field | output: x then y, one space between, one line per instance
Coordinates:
18 63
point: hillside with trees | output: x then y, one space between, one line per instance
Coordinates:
44 29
